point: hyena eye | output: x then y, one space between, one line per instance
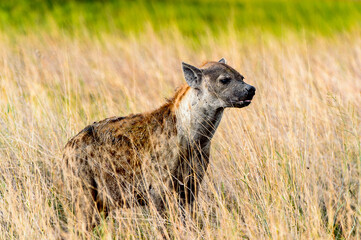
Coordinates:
225 80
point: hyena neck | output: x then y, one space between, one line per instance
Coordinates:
197 120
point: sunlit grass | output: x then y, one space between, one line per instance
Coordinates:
287 166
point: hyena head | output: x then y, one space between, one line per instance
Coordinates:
219 84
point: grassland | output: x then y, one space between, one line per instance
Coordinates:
286 167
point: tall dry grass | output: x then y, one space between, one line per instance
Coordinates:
286 167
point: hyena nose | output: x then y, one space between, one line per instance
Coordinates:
251 91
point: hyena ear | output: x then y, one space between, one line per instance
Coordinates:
222 61
192 75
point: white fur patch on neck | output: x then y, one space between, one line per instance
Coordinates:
196 117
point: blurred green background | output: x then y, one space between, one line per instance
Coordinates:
192 18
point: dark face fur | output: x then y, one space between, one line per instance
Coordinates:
223 85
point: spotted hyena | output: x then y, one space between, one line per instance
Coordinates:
142 158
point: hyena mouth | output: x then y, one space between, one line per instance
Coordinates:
241 104
245 102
